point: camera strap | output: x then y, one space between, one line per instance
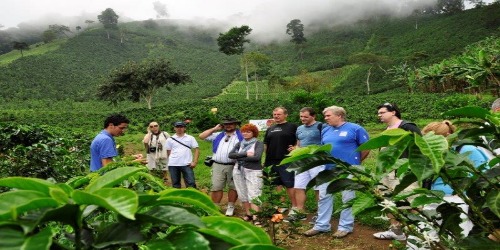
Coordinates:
181 143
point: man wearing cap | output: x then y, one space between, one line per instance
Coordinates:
180 147
222 169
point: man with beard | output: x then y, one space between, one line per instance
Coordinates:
222 169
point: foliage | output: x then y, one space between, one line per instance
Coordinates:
59 29
105 211
430 156
35 151
109 19
232 42
48 36
20 46
137 81
295 28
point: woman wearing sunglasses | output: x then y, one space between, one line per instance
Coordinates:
154 143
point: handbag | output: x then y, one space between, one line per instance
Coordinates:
208 161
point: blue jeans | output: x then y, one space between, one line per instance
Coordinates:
186 171
325 209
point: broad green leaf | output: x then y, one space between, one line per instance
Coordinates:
26 183
424 200
158 245
375 143
119 200
493 201
388 156
234 230
68 214
79 181
343 184
14 203
59 195
14 240
190 197
419 164
477 241
112 178
433 146
451 219
407 180
188 240
172 215
469 112
256 247
121 233
65 187
362 202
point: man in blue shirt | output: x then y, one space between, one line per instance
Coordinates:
345 138
103 147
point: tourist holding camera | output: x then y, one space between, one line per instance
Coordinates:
154 143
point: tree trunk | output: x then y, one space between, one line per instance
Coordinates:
368 79
248 82
107 32
256 86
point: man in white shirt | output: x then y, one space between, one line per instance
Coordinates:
180 148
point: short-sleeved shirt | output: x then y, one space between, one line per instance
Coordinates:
103 146
180 155
278 137
345 139
224 148
309 135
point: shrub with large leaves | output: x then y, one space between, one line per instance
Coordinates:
101 213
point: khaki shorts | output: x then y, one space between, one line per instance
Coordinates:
222 175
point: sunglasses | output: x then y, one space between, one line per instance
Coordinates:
387 104
153 126
227 138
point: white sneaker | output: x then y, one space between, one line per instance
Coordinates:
389 235
230 211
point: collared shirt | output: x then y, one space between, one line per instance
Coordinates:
224 148
103 146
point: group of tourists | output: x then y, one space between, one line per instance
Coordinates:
237 153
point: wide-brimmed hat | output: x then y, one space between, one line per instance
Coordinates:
230 121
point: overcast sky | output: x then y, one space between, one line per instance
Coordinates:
265 17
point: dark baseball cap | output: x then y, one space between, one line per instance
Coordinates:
179 124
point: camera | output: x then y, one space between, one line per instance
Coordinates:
152 149
208 161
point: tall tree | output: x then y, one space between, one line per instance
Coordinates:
161 9
59 29
295 28
136 81
109 19
233 41
20 46
257 64
48 36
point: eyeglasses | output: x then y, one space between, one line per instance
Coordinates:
153 126
122 128
227 138
381 113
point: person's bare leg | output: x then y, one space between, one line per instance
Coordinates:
300 199
216 196
291 195
232 195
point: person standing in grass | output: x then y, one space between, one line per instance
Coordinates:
279 140
345 138
309 133
180 148
103 147
154 143
222 169
247 172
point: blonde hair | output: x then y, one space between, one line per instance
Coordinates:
443 128
336 110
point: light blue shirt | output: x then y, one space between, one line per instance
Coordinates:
309 135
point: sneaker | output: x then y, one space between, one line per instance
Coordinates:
340 234
282 210
230 211
389 235
295 217
313 220
312 232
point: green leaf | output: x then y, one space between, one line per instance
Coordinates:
362 202
158 245
407 180
388 156
59 195
14 203
15 240
493 201
433 146
343 184
375 143
112 178
119 200
172 215
188 240
26 183
191 197
120 233
469 112
234 230
424 200
256 247
450 214
477 241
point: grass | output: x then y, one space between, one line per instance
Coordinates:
36 49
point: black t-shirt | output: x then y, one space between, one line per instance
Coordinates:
278 138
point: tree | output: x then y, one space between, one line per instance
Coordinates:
136 81
20 46
254 63
78 28
49 36
232 42
371 60
450 6
160 8
89 22
296 29
109 19
59 29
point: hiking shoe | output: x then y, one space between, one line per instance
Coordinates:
340 234
312 232
230 211
295 217
313 220
389 235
